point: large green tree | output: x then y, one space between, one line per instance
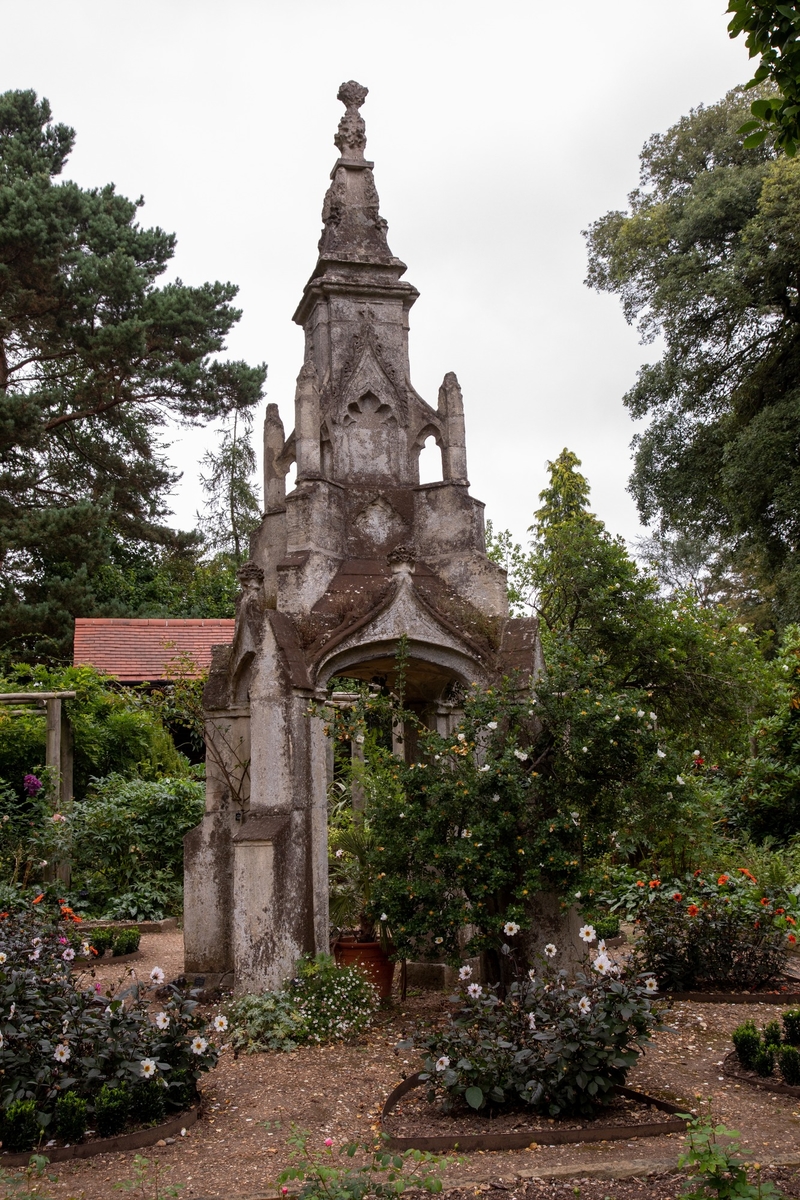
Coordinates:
707 258
772 31
96 360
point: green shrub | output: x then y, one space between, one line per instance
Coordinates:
606 927
557 1046
151 899
147 1102
71 1117
747 1042
126 942
789 1065
111 1110
21 1129
323 1003
791 1026
765 1061
772 1035
102 939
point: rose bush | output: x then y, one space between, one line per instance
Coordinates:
707 930
557 1046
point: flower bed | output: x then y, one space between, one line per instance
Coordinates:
74 1057
550 1044
711 932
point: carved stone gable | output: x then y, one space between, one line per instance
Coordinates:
380 522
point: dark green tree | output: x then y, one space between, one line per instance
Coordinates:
95 360
707 258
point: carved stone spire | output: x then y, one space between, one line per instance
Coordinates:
354 230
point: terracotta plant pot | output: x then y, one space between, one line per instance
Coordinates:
369 957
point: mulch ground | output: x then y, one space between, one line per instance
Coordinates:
239 1145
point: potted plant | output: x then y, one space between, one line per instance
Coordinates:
364 938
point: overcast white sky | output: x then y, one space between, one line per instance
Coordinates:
499 132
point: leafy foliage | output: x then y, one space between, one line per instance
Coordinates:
713 1153
232 509
379 1174
95 359
772 31
706 257
557 1045
323 1003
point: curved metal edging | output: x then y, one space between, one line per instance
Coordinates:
547 1137
123 1141
735 997
766 1085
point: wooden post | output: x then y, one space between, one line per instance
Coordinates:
53 750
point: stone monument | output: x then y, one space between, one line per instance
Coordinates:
356 556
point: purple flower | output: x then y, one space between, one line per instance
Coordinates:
32 785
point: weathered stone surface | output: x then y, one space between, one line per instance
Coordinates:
357 556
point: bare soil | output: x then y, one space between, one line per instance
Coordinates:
238 1147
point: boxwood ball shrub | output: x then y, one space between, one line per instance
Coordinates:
71 1117
322 1003
747 1043
21 1128
59 1036
789 1065
557 1046
126 942
772 1035
102 939
791 1026
765 1060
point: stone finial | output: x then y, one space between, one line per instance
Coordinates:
351 136
402 559
250 576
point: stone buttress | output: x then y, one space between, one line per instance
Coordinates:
356 556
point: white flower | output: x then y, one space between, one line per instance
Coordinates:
156 975
462 737
577 895
742 629
679 779
495 798
3 957
520 754
486 767
653 717
86 949
584 1005
651 985
696 754
587 933
37 941
602 964
510 928
531 974
1 1041
339 853
62 1052
11 1012
162 1020
464 972
492 725
601 946
35 956
438 941
661 754
475 990
68 954
584 749
531 1021
199 1045
442 1063
466 833
640 713
384 916
148 1067
550 950
359 738
616 718
220 1023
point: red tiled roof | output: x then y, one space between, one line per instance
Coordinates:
138 650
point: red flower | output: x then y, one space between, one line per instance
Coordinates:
39 897
697 872
677 896
698 762
693 910
655 883
791 939
790 920
640 883
765 900
3 916
780 910
723 879
748 874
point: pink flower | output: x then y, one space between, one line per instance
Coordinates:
98 987
328 1141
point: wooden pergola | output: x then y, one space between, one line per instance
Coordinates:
59 747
